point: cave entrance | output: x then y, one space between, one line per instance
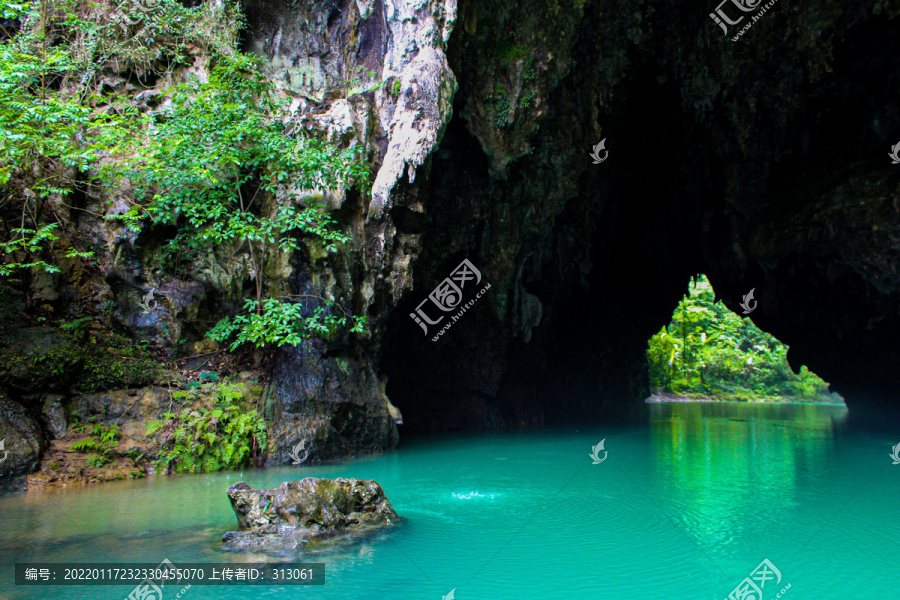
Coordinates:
707 351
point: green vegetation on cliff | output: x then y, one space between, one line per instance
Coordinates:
198 150
216 429
708 351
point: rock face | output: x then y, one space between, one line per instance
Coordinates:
374 76
760 162
312 509
22 440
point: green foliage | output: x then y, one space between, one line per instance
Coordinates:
76 424
50 71
279 322
77 326
499 103
707 350
58 121
210 157
223 433
527 98
507 53
354 85
27 242
103 440
395 89
216 163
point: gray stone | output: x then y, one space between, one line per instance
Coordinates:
312 509
55 415
21 440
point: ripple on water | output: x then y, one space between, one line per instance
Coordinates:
475 495
683 509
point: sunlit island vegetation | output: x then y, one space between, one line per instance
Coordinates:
708 352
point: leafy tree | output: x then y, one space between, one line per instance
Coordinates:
281 323
211 162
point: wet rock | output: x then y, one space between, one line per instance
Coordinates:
33 360
21 442
769 197
45 291
155 313
336 405
312 509
55 415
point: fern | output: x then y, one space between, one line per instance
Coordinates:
86 445
101 443
224 436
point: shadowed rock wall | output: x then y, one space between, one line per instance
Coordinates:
762 163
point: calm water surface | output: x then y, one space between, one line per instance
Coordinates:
684 507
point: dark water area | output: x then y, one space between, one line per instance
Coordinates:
683 506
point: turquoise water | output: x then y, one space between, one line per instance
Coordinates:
684 507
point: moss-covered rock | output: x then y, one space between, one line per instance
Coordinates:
313 509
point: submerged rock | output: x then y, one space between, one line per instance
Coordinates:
313 509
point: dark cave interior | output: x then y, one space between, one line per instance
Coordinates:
677 197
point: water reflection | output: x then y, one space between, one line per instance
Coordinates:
732 468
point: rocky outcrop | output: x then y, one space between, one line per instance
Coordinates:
372 76
130 409
22 440
760 162
367 75
73 420
312 509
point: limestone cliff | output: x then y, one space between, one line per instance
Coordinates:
761 162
